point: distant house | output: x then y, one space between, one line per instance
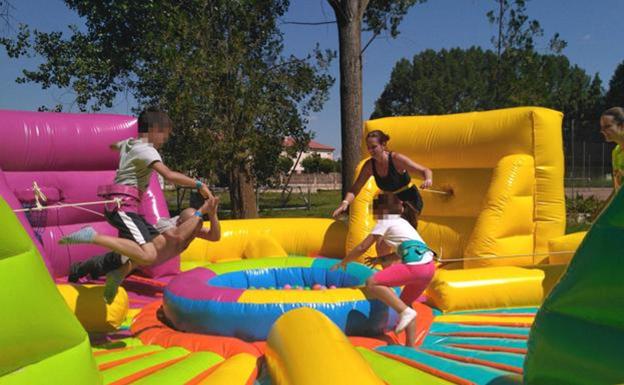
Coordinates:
323 150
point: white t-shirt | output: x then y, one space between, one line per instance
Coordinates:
164 224
136 157
395 230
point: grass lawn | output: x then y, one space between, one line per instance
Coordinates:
322 204
573 227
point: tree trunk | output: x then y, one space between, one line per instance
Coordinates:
349 15
242 194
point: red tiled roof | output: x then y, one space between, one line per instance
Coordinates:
313 145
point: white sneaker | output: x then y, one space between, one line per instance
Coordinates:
406 316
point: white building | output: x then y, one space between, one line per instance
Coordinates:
323 150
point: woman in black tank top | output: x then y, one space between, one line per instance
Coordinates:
391 172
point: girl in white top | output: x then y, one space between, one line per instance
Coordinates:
406 259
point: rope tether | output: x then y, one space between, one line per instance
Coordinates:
40 196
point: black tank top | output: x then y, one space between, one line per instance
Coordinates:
393 181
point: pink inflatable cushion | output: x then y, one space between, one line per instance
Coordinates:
27 196
39 141
69 153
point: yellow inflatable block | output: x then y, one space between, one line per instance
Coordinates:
502 171
475 319
304 347
486 288
88 305
505 225
262 247
253 238
237 369
301 296
562 249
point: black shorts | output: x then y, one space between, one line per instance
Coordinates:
131 226
412 196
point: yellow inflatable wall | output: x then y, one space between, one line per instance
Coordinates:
505 170
275 237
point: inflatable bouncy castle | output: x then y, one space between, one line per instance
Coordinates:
262 306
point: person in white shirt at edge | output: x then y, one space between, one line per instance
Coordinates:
406 259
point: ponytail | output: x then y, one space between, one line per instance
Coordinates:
410 214
617 113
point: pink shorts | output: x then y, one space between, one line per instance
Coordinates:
415 278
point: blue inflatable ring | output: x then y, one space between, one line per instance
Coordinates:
244 298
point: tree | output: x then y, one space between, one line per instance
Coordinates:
456 80
378 16
215 66
338 165
441 82
615 95
312 164
284 164
514 74
515 43
326 166
5 14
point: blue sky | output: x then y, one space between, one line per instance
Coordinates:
593 31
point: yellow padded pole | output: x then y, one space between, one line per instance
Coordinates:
305 348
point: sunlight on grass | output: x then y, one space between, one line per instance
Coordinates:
322 204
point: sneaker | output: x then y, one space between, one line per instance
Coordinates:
95 267
113 281
76 271
406 316
84 235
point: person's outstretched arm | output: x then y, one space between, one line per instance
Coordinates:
357 251
184 232
382 260
180 179
365 173
214 233
404 163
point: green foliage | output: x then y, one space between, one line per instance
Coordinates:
516 32
315 164
437 83
383 15
327 166
461 80
581 211
322 204
5 14
338 165
215 66
615 95
284 164
311 164
583 205
473 79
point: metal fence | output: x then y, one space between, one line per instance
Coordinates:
588 164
